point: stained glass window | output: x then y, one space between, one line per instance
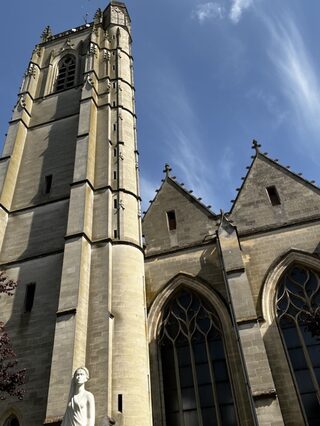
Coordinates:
298 314
196 382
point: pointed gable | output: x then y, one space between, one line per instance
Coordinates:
272 196
176 219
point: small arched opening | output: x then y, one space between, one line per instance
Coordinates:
66 73
12 420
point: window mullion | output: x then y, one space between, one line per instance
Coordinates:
309 362
176 369
214 387
195 383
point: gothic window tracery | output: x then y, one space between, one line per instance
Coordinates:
67 73
298 310
196 383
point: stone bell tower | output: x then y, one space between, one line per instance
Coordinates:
70 226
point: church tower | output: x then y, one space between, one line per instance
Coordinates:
70 227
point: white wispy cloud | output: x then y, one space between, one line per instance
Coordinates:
237 9
216 10
297 75
147 188
183 136
207 11
271 104
227 164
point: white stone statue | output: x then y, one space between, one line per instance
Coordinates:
80 410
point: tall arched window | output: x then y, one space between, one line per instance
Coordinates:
196 383
67 73
298 314
12 421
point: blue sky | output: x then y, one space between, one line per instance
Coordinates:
210 76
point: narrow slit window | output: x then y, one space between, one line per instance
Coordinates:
115 233
273 195
114 175
114 127
115 152
115 204
120 403
47 184
172 223
30 292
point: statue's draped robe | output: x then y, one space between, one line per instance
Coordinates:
76 413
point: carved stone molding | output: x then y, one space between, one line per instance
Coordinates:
92 49
31 71
21 101
67 45
37 50
106 55
89 80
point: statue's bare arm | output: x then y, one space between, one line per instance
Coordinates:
90 409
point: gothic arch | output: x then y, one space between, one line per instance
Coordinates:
179 282
288 389
275 272
10 414
53 69
189 282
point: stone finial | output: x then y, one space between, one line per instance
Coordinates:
256 146
167 169
85 18
21 101
46 34
97 16
225 224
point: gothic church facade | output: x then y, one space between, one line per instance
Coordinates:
205 321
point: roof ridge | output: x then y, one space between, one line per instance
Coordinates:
169 178
256 146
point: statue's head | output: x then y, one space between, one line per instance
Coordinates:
81 375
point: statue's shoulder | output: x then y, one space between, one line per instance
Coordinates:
90 395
